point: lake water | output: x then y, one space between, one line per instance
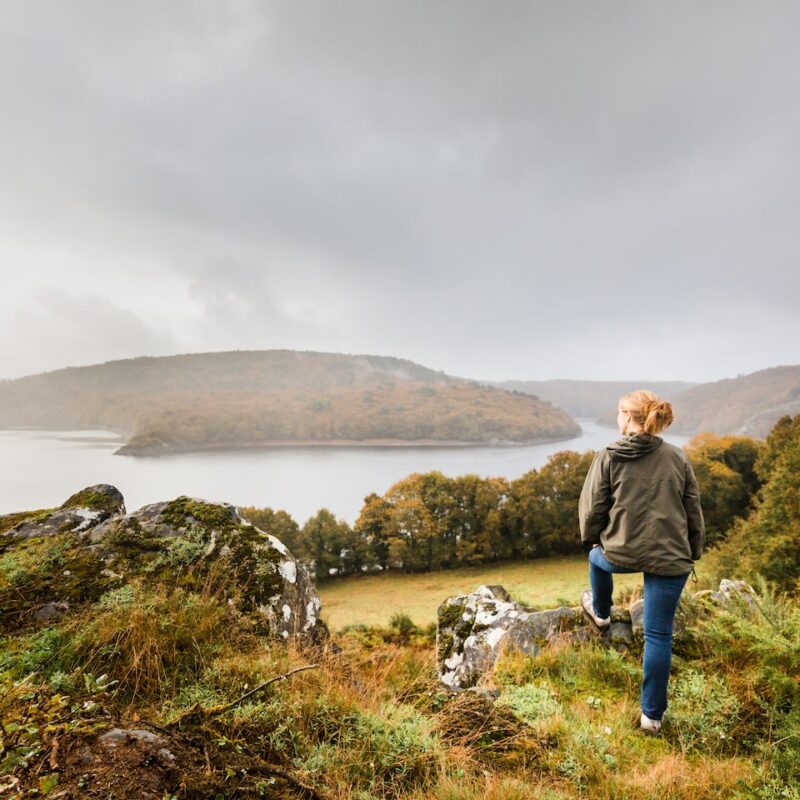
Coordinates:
41 469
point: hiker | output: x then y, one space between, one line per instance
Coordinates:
640 511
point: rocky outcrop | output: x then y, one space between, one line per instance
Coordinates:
474 629
81 511
729 592
73 555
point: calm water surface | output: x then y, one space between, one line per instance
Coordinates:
41 469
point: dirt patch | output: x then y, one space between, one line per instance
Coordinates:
490 732
143 763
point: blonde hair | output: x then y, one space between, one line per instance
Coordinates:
647 410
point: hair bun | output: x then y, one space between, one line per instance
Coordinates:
648 410
661 413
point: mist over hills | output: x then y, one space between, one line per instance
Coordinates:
589 398
252 398
287 397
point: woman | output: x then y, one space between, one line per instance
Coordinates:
640 511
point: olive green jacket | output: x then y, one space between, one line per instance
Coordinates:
640 502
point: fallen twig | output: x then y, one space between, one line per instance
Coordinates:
155 725
54 754
196 710
213 712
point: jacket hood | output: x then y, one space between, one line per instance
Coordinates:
633 446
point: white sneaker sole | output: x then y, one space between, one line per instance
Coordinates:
600 622
650 726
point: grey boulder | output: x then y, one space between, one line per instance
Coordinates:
473 629
77 514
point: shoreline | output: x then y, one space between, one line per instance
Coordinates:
151 451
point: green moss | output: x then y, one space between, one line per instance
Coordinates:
703 713
9 521
253 563
394 748
532 702
37 652
37 556
450 614
183 551
121 598
620 615
444 646
97 501
209 515
47 569
131 539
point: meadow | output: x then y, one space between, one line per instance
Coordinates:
542 583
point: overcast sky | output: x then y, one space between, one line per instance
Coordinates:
605 190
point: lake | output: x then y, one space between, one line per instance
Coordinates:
41 469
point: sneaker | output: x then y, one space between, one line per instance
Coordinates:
651 726
588 608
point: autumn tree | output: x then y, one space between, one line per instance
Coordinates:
332 546
768 541
725 467
372 526
280 524
411 535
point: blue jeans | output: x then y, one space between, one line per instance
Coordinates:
661 596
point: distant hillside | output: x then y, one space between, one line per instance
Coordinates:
252 398
589 398
748 405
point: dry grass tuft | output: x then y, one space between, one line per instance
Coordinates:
150 641
675 777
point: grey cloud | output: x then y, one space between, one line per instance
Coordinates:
241 303
494 189
56 329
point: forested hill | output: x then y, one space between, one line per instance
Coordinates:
246 398
749 404
589 398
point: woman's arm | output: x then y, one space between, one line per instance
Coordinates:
694 513
595 501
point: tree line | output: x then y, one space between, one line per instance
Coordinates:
766 540
428 521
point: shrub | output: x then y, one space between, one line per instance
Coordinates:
389 750
703 712
403 626
38 652
532 702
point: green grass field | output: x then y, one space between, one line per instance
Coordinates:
372 599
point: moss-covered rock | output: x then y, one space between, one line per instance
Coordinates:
472 630
101 497
9 521
193 543
80 512
75 554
